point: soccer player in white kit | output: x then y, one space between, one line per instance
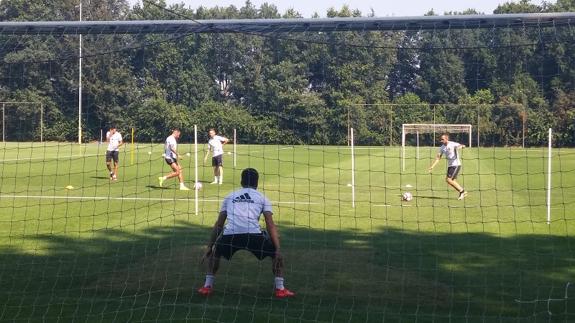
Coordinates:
114 139
215 145
241 212
171 156
450 150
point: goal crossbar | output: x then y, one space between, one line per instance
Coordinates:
536 20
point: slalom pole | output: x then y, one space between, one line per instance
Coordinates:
132 149
549 176
352 146
235 141
196 169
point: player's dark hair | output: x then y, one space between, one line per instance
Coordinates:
250 178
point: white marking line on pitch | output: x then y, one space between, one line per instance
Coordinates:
44 158
103 198
389 205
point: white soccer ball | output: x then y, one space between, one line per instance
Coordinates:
188 154
198 186
149 152
407 196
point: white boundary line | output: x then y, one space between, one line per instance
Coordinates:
44 158
103 198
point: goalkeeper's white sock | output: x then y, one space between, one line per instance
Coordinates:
279 282
216 179
182 185
209 281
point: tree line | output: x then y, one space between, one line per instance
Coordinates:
288 88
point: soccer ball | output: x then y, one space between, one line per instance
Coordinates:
198 186
407 196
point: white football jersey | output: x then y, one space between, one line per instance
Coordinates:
216 146
244 208
114 141
450 152
171 144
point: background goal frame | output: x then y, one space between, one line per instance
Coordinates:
418 128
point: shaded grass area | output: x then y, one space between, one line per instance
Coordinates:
130 251
339 276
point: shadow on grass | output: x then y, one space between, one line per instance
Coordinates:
100 177
156 187
152 274
430 197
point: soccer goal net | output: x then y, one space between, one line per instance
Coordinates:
327 110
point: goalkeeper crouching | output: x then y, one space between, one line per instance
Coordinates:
242 209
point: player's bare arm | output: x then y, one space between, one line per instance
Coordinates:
272 230
437 158
216 231
174 152
207 152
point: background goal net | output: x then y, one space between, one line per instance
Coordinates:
317 107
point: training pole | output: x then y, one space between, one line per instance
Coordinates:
549 177
132 149
196 169
352 145
235 141
403 148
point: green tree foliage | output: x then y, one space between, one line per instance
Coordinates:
311 87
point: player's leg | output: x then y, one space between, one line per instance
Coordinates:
215 166
222 248
213 266
176 171
181 178
116 160
261 246
221 169
452 173
109 163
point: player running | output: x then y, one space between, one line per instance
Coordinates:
215 145
450 150
114 139
242 209
171 156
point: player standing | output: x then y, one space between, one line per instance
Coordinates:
171 156
215 145
242 210
450 150
114 139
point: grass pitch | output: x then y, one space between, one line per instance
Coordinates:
129 250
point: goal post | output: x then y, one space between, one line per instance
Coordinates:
419 128
5 105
